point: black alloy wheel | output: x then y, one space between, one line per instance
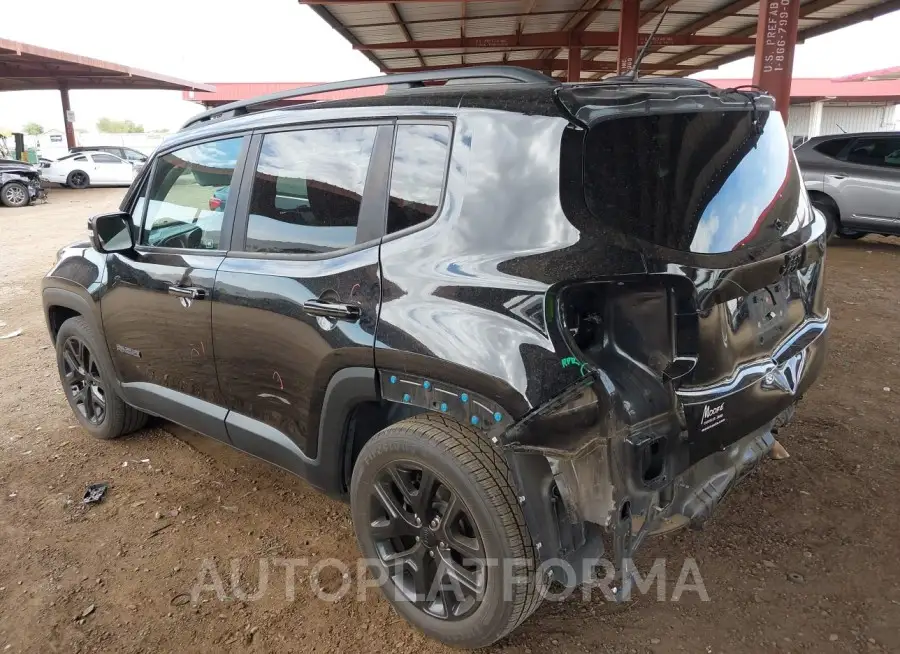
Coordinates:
77 179
427 540
83 381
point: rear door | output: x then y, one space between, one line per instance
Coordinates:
157 309
297 297
870 183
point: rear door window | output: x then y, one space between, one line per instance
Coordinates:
418 174
307 189
881 151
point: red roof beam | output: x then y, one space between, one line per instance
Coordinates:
587 66
554 40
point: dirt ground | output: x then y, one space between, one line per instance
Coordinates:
803 556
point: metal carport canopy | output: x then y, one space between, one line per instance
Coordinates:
25 67
696 34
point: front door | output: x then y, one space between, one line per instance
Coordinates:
297 298
109 169
157 309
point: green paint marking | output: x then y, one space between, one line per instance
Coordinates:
572 361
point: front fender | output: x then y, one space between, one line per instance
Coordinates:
76 299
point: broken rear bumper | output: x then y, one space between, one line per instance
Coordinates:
609 479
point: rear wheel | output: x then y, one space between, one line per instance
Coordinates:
436 515
14 194
78 179
87 383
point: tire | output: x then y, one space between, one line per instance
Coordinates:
86 381
78 179
466 467
14 194
832 220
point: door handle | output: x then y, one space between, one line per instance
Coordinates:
837 176
333 310
189 292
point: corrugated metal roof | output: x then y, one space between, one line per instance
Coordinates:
470 31
29 67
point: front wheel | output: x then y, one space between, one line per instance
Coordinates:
14 194
436 516
87 383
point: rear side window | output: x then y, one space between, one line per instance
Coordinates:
881 151
831 148
188 194
81 158
417 174
307 190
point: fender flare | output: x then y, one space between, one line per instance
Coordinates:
87 309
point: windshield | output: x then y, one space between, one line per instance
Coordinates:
707 182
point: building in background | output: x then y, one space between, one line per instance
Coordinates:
858 103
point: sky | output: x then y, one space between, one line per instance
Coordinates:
278 41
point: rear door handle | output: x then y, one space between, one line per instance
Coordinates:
837 176
333 310
189 292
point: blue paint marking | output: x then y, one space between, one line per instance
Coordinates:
393 379
498 417
406 397
464 397
474 420
427 384
443 406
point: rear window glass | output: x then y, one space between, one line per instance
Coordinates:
831 148
699 181
417 175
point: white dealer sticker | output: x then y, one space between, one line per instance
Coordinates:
712 416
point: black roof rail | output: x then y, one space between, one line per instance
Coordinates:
241 107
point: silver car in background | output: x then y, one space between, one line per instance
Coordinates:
854 179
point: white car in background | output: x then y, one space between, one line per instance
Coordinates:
83 169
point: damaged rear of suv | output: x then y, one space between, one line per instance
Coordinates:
520 325
638 287
689 359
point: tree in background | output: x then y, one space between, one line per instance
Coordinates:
33 129
110 126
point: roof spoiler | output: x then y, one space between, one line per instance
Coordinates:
502 73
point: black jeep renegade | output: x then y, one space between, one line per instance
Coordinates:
518 324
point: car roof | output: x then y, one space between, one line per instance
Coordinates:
533 98
849 135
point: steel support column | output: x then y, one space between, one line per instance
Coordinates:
776 38
574 65
67 108
814 127
629 22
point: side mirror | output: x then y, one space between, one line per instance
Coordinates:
111 232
